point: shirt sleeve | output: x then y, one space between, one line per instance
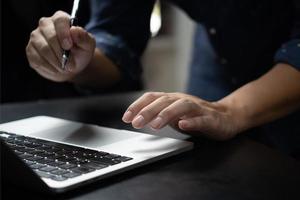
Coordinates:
290 51
122 30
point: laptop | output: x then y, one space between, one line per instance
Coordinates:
54 155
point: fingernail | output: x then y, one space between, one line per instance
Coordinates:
127 116
138 122
157 123
67 43
185 124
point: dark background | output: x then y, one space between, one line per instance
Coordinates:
18 18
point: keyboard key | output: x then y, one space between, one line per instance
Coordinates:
30 140
45 161
87 155
12 145
100 153
18 152
25 156
45 147
68 166
28 150
82 170
55 156
30 144
56 163
43 174
65 152
124 159
20 148
19 142
105 161
83 156
28 162
10 141
48 169
47 154
71 175
19 137
59 172
58 178
35 145
88 151
94 165
81 162
67 159
53 150
37 166
112 156
37 152
5 135
35 158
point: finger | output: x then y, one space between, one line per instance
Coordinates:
44 73
61 21
139 104
207 125
199 123
82 38
150 111
37 62
71 64
84 45
178 109
44 50
74 64
47 29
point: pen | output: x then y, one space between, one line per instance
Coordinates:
66 53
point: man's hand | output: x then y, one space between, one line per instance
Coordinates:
184 112
44 50
274 95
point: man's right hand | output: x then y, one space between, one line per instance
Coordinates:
46 44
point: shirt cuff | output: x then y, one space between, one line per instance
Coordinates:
123 57
289 53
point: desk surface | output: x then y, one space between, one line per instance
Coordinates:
236 169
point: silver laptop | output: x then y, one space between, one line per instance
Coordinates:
56 155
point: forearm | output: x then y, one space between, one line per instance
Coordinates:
100 73
274 95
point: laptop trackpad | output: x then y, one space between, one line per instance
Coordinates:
85 135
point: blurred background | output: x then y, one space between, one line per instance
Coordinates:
165 61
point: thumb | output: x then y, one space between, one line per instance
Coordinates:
206 126
195 124
82 39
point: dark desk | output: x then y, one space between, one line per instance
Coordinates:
236 169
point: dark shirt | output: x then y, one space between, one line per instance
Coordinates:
245 39
249 33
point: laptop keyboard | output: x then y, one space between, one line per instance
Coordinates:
59 161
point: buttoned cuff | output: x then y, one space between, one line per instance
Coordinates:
289 53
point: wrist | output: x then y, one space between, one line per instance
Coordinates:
101 72
237 114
